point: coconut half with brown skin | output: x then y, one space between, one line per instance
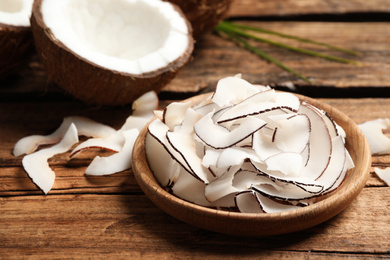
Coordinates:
111 52
16 41
204 15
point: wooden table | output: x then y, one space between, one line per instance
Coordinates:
109 217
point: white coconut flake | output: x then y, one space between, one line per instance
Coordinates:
373 130
118 162
288 163
174 114
320 144
191 189
168 174
219 137
84 126
271 206
232 90
246 202
37 166
383 174
222 186
143 113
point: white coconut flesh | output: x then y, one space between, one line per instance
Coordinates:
104 137
85 126
383 174
142 108
373 130
16 12
129 36
266 151
36 164
117 162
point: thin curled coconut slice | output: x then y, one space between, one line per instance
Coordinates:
84 126
158 130
263 143
118 162
235 156
168 174
232 90
174 114
143 111
36 164
219 137
260 103
222 186
185 146
183 142
320 144
349 164
271 206
189 188
111 143
383 174
307 184
143 108
293 133
211 156
246 202
336 164
373 130
288 163
282 190
145 104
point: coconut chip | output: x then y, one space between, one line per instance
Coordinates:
85 126
36 164
373 130
117 162
104 137
383 174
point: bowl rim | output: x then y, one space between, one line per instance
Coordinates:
310 215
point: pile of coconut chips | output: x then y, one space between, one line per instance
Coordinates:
65 139
247 148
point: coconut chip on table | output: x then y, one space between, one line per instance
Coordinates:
104 137
379 143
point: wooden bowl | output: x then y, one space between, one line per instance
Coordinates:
262 224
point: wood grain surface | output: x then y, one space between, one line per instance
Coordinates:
109 217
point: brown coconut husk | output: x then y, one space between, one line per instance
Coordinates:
204 15
16 48
90 82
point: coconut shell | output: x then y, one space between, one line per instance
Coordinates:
204 15
16 48
90 82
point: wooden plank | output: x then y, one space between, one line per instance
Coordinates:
247 8
130 225
215 57
223 58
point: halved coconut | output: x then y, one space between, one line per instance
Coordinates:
111 52
16 41
204 15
